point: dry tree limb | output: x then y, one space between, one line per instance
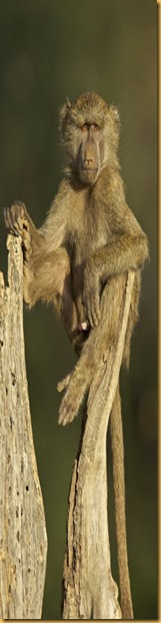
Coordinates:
89 591
23 539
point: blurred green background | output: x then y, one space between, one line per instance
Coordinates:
50 50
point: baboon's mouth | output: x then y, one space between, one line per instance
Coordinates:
88 174
89 169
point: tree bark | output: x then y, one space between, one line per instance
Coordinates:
89 591
23 539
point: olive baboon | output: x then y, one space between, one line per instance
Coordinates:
90 237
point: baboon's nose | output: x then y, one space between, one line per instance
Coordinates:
88 158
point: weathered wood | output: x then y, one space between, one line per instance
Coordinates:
89 590
23 539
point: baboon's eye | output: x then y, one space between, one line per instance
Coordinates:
96 127
84 127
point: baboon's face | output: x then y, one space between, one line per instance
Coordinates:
89 131
90 154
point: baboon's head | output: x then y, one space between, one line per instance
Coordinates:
89 131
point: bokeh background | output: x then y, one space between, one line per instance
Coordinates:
50 50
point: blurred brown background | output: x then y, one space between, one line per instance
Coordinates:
50 50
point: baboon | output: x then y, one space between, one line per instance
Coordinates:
88 240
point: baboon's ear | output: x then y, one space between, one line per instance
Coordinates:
63 114
115 115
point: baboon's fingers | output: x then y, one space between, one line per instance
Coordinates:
91 302
69 406
67 412
94 314
5 213
64 383
14 218
8 219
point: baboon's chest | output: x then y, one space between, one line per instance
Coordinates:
88 233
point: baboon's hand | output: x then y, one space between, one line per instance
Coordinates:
69 406
91 299
16 221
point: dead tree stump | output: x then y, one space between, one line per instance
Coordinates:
23 539
89 591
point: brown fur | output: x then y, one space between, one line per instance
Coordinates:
89 239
